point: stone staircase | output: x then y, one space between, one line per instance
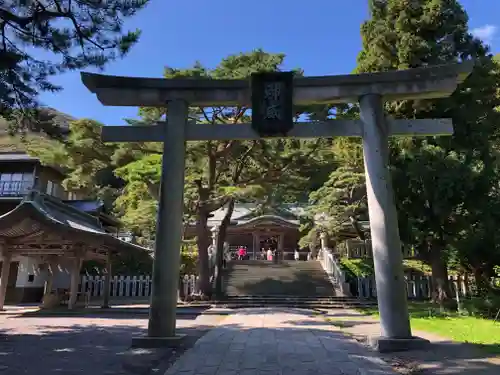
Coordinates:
288 278
258 283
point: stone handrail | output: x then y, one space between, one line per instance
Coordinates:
334 272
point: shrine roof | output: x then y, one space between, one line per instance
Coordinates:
247 211
39 215
85 205
95 208
268 220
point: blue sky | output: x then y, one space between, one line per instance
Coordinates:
320 36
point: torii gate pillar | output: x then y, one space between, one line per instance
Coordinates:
386 244
162 313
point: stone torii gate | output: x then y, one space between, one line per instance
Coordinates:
371 90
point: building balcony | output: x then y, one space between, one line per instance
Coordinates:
15 188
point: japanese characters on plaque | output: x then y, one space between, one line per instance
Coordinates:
272 103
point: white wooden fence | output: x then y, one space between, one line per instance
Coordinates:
358 249
418 287
133 287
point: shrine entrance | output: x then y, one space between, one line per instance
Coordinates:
269 242
265 232
272 97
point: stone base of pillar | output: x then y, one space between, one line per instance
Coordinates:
388 344
147 342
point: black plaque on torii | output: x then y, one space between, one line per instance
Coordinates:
272 103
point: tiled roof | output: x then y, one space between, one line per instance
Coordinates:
39 211
244 212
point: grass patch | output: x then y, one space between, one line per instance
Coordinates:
425 316
363 267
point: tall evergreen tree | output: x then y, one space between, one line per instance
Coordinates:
74 35
342 197
217 172
439 181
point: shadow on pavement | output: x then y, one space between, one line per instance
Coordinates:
112 313
336 323
440 358
344 314
94 346
86 349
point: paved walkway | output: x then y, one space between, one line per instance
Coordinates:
444 357
274 341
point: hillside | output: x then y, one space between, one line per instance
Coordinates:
53 124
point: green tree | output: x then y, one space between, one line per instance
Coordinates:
75 34
437 179
85 159
218 173
342 197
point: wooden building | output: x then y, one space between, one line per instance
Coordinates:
276 228
46 232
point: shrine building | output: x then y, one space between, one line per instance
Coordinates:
46 232
258 229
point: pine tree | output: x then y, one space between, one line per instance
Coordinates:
342 198
75 34
439 182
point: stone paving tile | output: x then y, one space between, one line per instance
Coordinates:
274 341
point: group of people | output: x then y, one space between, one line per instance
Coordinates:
269 254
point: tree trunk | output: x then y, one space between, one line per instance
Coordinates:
203 242
219 254
441 292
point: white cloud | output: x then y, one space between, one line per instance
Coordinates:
486 33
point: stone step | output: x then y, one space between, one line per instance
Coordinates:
290 298
238 305
289 278
287 301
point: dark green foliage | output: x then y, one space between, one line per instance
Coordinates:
73 35
125 264
84 157
445 187
343 195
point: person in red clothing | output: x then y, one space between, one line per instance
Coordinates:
242 252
